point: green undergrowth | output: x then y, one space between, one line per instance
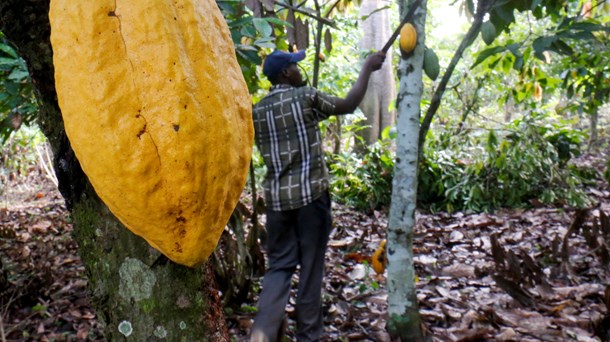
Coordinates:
526 162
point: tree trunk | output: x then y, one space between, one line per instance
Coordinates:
139 294
404 320
593 130
381 90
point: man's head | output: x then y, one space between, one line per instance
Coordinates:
281 67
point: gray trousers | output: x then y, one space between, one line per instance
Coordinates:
295 237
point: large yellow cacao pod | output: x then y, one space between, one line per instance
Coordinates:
408 38
158 114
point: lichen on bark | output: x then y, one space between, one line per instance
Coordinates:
137 281
134 283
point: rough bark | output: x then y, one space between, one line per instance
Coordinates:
139 294
381 90
404 320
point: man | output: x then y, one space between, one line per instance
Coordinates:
296 191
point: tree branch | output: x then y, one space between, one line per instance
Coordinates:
482 8
311 15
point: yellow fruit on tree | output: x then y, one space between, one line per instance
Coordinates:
246 40
158 114
408 38
379 260
537 92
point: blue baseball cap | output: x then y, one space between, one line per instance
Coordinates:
277 60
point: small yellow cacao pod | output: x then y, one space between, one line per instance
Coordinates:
408 38
158 114
537 92
379 260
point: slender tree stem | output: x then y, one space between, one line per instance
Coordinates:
482 8
311 15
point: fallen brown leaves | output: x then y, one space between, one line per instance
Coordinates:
43 297
514 275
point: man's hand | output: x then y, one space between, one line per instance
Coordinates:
375 61
355 95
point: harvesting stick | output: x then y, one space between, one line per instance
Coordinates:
406 19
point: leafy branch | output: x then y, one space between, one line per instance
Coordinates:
483 8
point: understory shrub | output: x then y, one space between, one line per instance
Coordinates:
363 180
526 163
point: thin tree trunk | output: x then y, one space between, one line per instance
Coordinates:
137 292
593 129
381 90
483 7
469 105
404 320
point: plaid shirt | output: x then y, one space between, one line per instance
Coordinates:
288 137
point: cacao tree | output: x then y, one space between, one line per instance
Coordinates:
571 34
404 320
137 292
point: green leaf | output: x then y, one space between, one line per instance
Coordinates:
483 55
262 26
535 4
518 63
277 21
573 34
265 43
542 44
8 50
561 47
10 62
18 75
39 307
507 63
245 47
248 31
250 56
492 140
505 12
488 32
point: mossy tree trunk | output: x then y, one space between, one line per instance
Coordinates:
139 294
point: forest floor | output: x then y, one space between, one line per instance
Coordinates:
537 274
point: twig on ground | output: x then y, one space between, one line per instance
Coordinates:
46 163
